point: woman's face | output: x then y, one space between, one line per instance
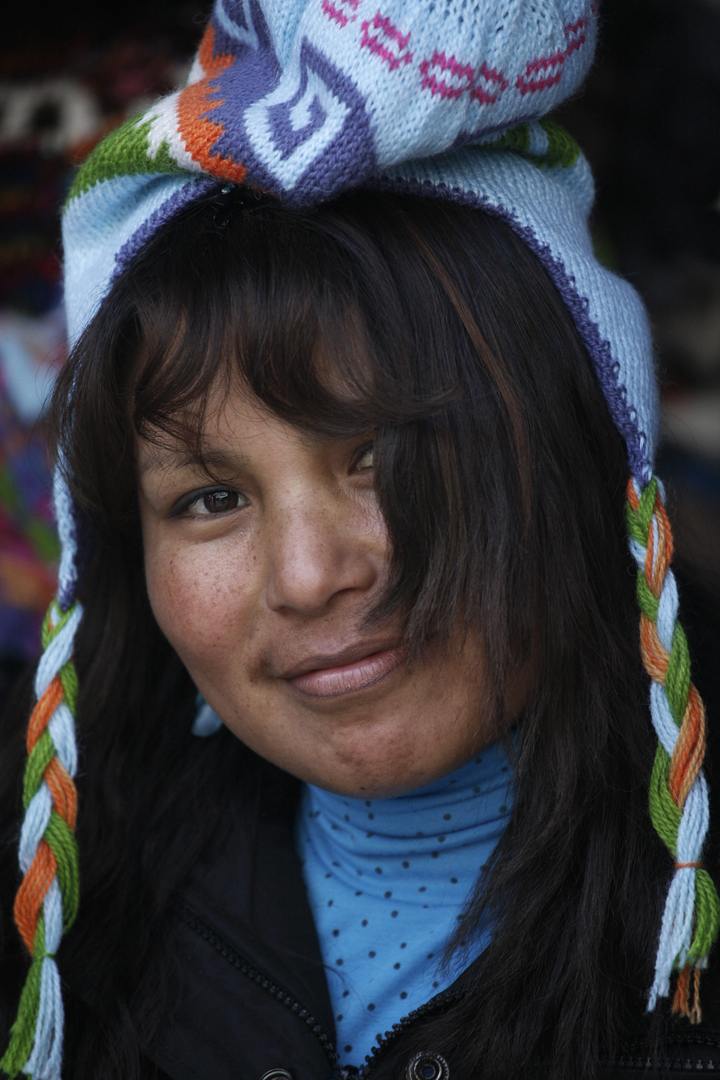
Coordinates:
259 577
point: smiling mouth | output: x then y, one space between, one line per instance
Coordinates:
348 678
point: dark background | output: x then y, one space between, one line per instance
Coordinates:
648 119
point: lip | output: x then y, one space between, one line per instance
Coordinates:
354 668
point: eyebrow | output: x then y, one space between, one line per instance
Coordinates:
163 458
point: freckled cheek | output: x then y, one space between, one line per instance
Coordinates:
203 597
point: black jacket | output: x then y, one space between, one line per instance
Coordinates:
253 1002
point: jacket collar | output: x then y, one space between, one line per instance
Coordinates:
250 889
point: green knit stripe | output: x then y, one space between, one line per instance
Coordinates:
63 845
69 681
646 599
39 942
22 1032
516 139
54 621
46 633
37 762
125 152
562 149
638 521
677 677
664 812
707 917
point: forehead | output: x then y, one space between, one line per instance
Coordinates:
234 428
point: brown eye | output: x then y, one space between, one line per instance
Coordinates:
218 502
213 501
209 502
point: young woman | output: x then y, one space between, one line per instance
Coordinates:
355 470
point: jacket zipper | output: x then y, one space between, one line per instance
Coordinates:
278 992
641 1062
632 1056
378 1051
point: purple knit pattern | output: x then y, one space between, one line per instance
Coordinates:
337 167
253 73
606 367
194 189
230 44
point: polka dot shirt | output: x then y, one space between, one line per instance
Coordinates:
387 880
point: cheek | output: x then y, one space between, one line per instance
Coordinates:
202 596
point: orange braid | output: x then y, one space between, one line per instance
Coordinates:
31 894
41 714
63 791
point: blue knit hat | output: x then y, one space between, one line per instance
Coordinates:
305 100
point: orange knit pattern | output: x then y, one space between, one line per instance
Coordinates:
198 133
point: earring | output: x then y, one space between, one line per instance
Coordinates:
206 721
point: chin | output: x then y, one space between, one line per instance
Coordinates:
364 753
375 770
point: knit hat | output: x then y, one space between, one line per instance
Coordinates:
305 99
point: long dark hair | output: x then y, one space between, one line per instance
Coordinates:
502 480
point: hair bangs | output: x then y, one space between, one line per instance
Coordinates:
270 304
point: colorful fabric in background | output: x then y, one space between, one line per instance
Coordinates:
32 346
30 352
58 100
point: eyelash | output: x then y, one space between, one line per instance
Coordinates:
361 452
184 507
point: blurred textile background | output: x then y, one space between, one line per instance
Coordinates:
648 120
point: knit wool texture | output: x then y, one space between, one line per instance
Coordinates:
305 99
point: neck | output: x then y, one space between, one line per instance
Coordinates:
463 810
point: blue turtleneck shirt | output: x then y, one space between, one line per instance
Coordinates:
387 880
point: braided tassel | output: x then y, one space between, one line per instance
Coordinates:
47 899
678 790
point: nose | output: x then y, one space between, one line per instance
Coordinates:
317 552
